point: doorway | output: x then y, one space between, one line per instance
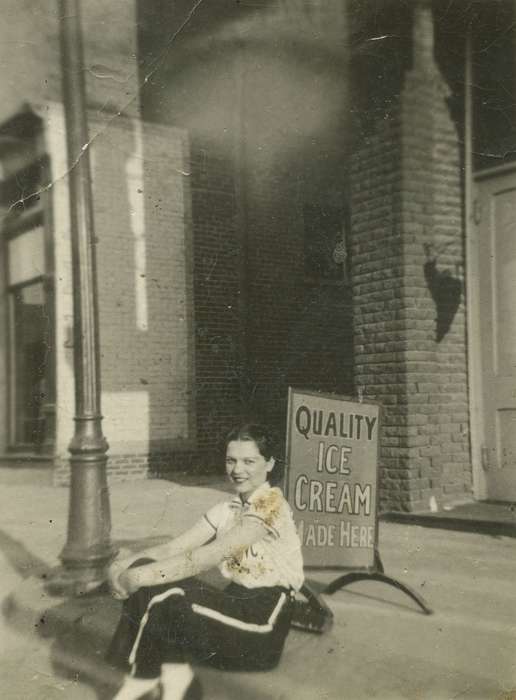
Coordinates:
495 250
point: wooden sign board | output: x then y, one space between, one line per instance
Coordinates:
331 478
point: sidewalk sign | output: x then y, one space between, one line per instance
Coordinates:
332 478
331 484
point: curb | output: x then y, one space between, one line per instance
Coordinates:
448 522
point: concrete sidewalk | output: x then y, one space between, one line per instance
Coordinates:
380 645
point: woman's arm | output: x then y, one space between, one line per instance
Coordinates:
194 537
194 561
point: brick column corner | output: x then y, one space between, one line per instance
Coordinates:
407 255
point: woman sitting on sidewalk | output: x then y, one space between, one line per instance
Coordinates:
171 618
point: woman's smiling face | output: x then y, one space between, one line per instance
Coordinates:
246 466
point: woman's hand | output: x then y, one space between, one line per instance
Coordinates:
115 571
129 582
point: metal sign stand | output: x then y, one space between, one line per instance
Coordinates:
314 615
377 574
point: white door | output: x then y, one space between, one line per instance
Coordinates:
495 214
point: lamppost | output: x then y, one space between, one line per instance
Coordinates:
88 547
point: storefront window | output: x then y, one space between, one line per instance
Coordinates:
30 333
25 239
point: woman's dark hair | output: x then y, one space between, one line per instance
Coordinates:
266 442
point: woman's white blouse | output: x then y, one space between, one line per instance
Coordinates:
274 560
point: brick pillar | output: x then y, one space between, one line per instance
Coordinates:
407 253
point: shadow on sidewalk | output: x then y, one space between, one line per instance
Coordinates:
20 558
80 630
77 629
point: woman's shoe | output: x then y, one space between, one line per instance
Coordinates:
154 694
193 692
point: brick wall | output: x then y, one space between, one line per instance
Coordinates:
146 324
406 193
410 345
300 328
218 323
261 324
142 215
275 268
